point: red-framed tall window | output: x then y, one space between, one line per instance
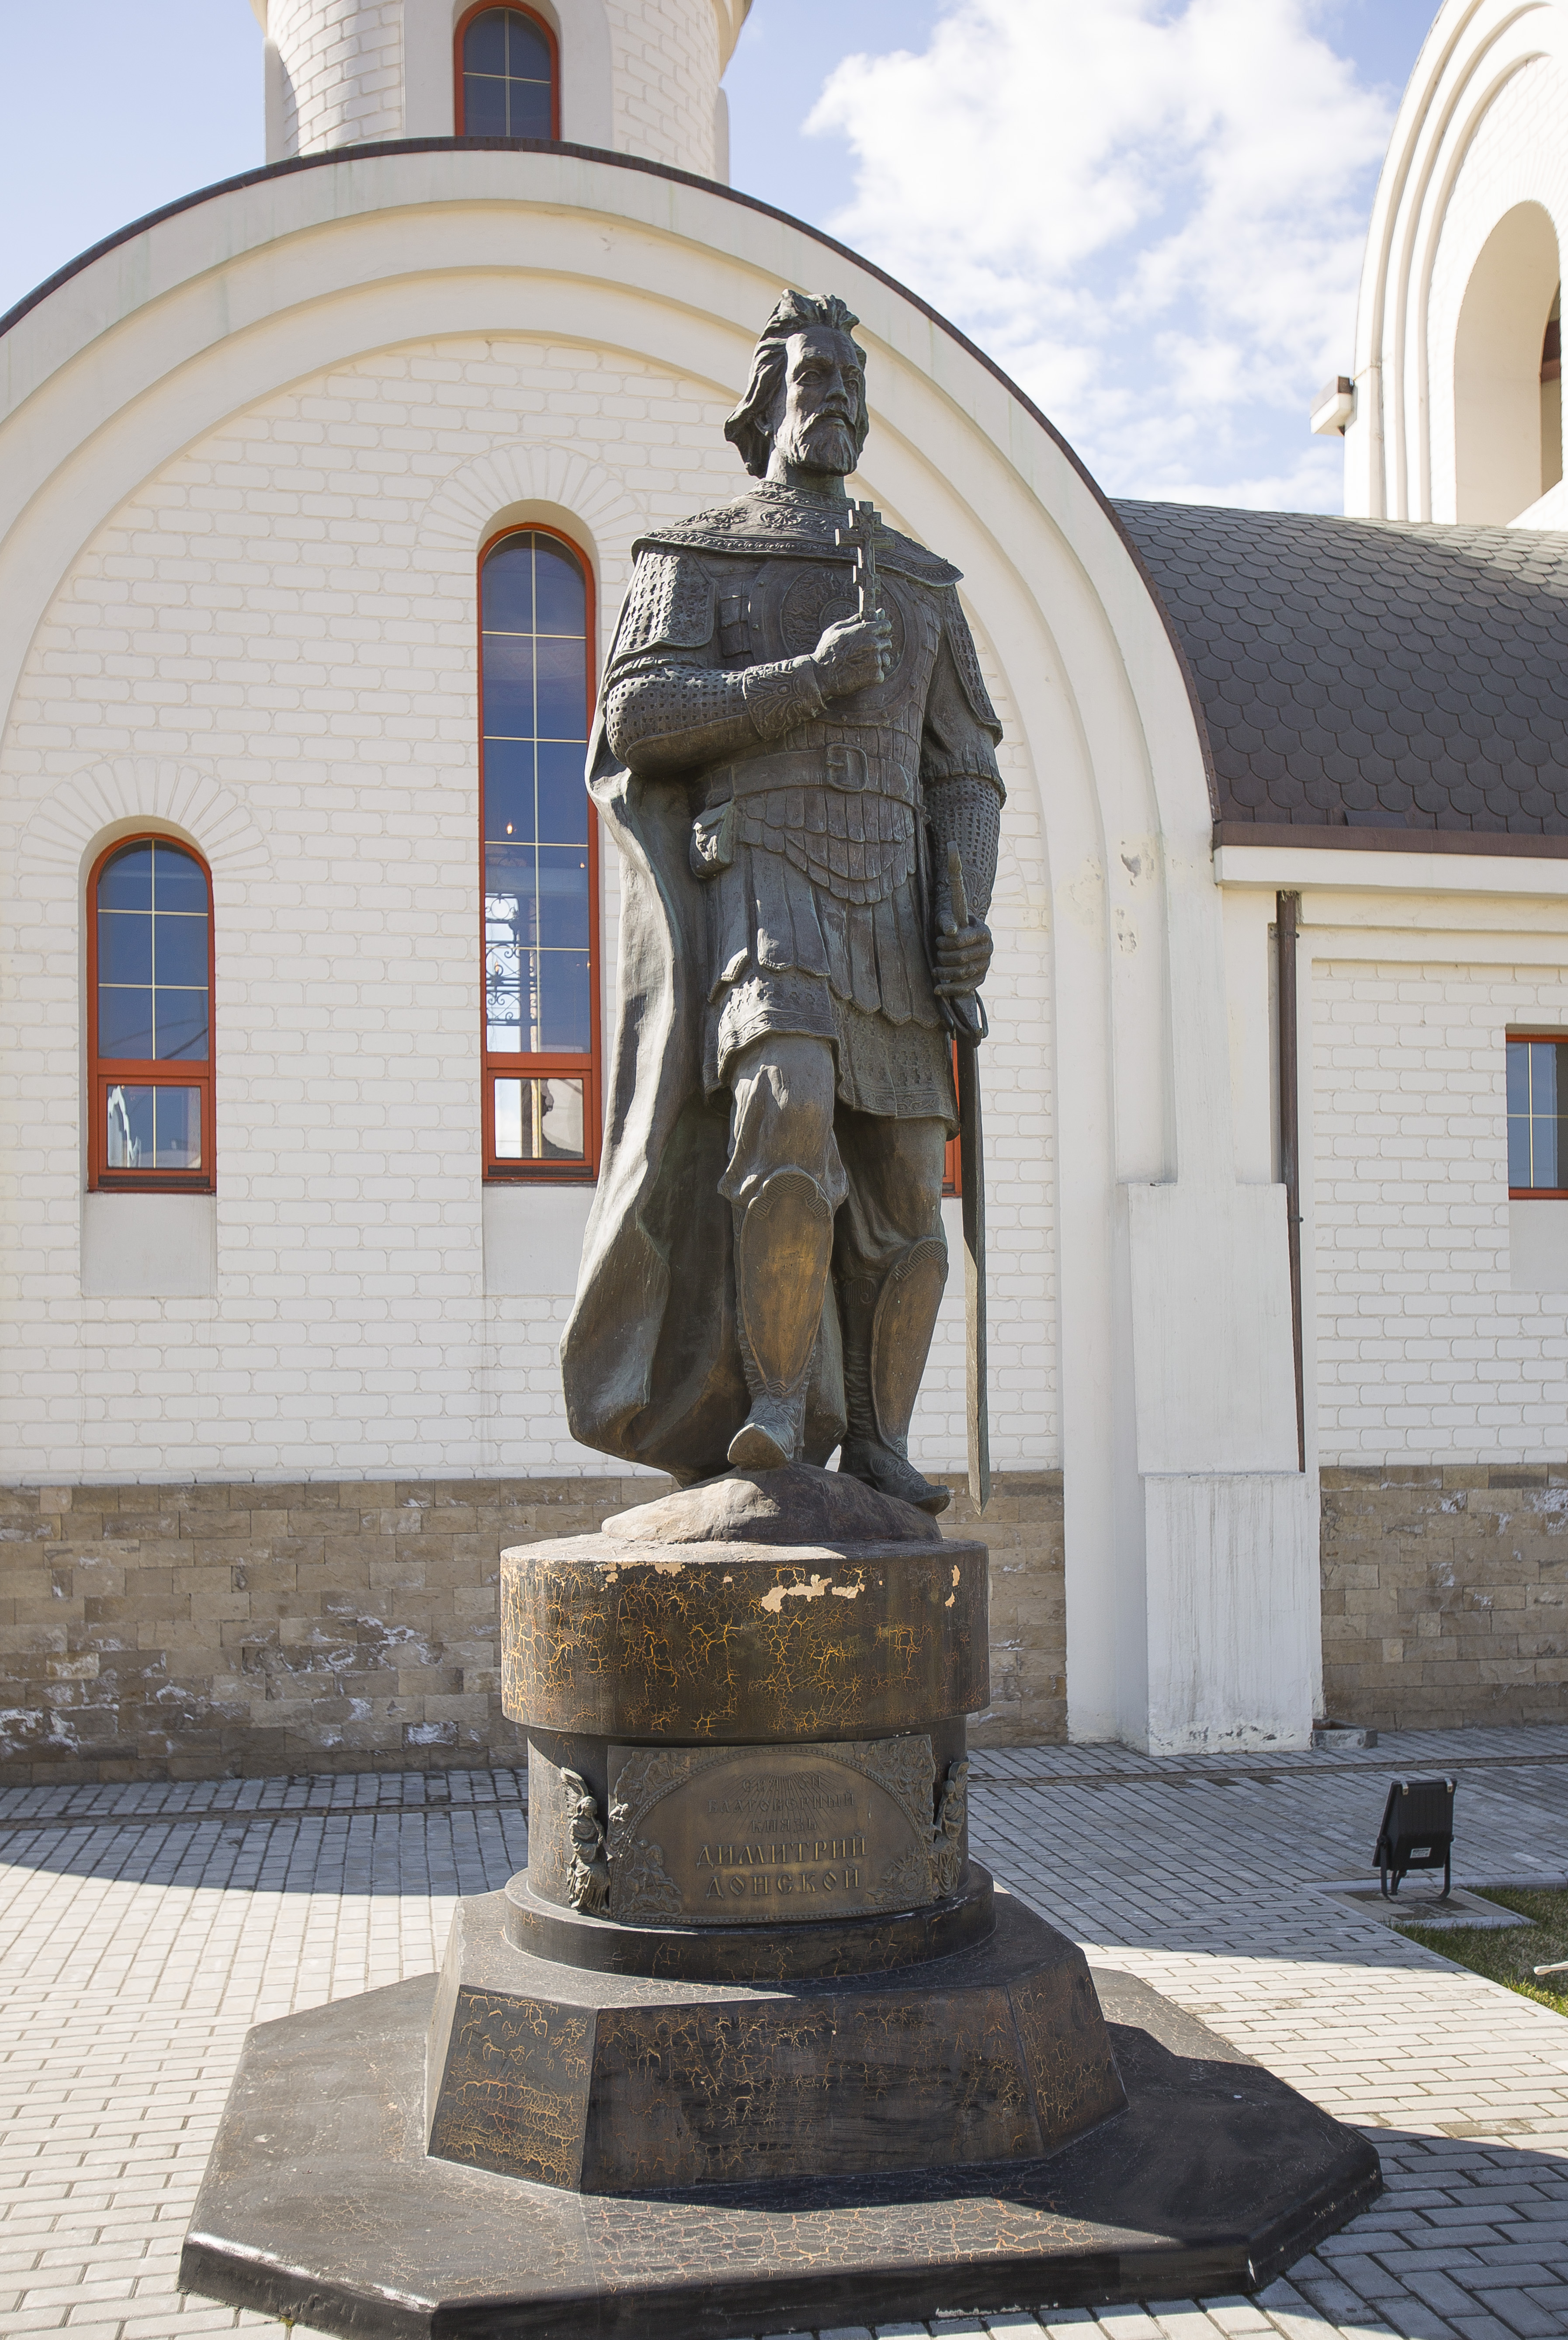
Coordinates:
540 847
150 1017
1538 1115
507 72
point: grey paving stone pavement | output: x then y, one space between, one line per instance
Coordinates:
144 1928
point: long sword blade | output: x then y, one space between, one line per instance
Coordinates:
972 1172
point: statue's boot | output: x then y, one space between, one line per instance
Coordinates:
888 1322
783 1247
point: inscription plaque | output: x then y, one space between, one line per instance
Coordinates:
770 1836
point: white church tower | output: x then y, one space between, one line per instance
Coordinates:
634 77
1452 410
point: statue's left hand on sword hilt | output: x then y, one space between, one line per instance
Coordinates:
965 1008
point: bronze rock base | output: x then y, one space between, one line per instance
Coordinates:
321 2202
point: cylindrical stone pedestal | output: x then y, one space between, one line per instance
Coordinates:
751 1941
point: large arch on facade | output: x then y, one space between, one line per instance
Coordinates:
271 278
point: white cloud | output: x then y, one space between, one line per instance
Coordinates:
1152 214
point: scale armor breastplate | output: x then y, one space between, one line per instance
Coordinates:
856 842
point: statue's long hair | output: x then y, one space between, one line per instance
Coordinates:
750 427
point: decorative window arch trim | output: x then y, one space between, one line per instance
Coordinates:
584 1066
107 1073
460 29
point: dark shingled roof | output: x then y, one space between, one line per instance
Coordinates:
1375 675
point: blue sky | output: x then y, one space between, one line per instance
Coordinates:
1149 211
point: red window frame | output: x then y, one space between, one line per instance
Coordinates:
515 1064
1532 1194
482 8
952 1160
105 1073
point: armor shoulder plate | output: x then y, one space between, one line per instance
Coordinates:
966 661
669 605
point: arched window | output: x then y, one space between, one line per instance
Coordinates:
150 1016
1507 409
507 85
541 875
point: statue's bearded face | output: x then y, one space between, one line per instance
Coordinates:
821 404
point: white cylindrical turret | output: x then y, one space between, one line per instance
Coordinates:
638 76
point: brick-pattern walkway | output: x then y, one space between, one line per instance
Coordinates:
142 1930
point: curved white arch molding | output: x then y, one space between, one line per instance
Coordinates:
200 316
1407 314
80 810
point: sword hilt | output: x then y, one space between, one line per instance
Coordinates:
861 536
968 1016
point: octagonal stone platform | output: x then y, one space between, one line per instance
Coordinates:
321 2202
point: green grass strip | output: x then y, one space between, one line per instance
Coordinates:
1507 1954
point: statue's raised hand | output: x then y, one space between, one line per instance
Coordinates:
853 653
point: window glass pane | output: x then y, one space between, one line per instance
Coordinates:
509 685
125 883
179 948
559 585
1543 1113
124 947
1543 1078
527 50
177 1125
506 588
180 1024
1518 1076
562 794
528 109
562 676
484 43
562 895
148 1128
125 1021
179 882
561 980
128 1128
539 1120
509 917
483 107
509 790
1518 1150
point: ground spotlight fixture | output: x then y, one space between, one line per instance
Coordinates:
1416 1832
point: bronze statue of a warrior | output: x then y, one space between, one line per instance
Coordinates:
796 755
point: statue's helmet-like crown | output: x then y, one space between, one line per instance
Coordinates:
751 428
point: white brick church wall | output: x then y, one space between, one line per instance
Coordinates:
1425 1353
342 71
266 647
667 69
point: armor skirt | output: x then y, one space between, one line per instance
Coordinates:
787 957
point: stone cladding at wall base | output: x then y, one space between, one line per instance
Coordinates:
1445 1595
199 1631
1022 1526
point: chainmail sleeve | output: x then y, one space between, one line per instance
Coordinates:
963 788
669 704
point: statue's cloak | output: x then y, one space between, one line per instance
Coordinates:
651 1361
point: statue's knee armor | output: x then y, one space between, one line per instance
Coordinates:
888 1321
783 1247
